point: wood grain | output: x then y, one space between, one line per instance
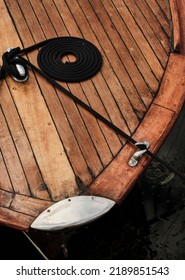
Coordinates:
50 147
176 27
181 16
40 129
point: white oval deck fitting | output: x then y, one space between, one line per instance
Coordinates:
71 212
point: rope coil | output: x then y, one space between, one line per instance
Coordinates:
88 59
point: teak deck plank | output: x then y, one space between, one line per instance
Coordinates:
162 16
22 144
31 206
123 54
5 181
164 4
50 147
11 158
147 31
133 48
138 36
181 16
157 28
6 198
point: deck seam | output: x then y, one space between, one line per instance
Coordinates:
80 112
151 25
14 145
138 45
164 107
91 79
102 72
36 78
157 17
151 29
8 173
14 210
130 54
31 148
93 83
133 83
72 129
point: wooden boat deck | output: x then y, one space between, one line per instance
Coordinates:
51 148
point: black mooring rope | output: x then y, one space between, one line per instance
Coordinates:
50 77
88 59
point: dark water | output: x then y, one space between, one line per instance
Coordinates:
150 224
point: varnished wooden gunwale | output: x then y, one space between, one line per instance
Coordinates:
155 127
57 137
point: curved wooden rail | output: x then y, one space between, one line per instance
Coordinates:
118 178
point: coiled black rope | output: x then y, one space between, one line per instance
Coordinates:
50 77
88 59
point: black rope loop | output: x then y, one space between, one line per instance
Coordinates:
88 59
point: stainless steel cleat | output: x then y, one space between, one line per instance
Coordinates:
143 146
20 69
